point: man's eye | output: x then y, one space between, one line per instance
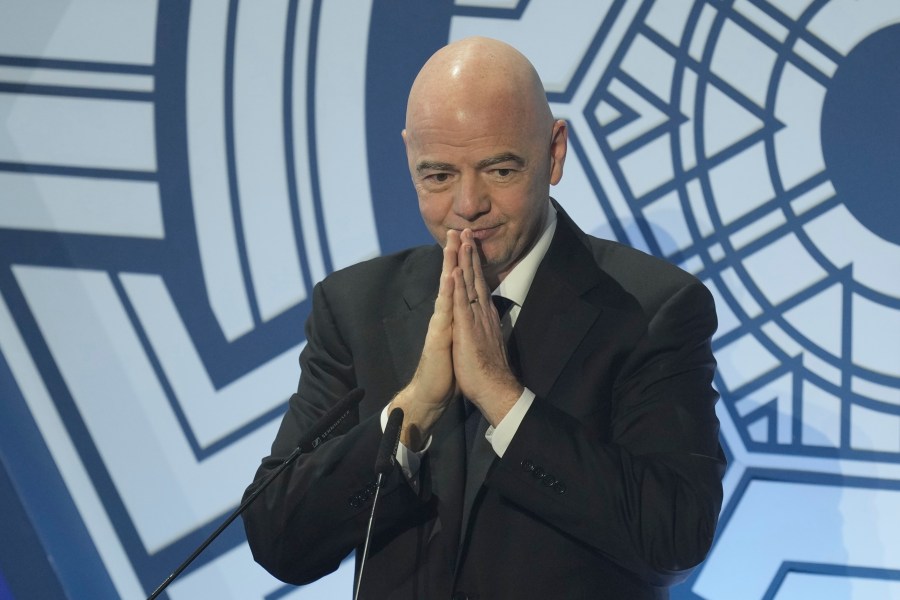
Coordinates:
504 172
439 177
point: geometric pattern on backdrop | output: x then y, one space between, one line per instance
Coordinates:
176 178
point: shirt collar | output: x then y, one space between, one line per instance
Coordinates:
515 286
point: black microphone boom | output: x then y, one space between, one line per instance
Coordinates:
329 421
317 434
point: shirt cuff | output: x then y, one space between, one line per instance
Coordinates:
501 436
408 460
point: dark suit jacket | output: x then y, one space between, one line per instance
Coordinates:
610 488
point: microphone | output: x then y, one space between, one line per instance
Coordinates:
384 462
387 452
321 429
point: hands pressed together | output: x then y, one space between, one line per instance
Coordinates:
464 352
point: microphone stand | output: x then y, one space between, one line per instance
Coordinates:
362 562
309 442
234 515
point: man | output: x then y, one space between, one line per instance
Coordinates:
592 467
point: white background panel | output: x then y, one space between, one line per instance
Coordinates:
82 132
89 30
81 205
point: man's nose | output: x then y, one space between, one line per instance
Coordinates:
472 198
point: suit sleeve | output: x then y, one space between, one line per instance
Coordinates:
316 512
647 492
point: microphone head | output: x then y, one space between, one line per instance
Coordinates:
389 442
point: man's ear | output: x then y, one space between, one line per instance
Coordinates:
559 142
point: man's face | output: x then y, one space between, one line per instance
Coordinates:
487 171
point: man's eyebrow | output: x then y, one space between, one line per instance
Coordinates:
501 158
428 165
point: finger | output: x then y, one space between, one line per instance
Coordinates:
461 299
469 274
443 305
451 251
467 256
442 317
445 291
481 287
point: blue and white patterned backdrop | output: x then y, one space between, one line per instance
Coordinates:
175 176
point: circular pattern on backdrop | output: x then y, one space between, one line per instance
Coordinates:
861 132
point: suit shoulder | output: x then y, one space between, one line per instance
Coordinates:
377 282
616 256
650 279
379 268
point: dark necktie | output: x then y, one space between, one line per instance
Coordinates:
503 305
473 416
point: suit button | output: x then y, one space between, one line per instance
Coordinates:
527 465
538 473
355 502
560 487
548 481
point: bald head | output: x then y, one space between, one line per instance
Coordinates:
474 77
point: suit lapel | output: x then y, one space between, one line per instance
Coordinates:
405 327
557 313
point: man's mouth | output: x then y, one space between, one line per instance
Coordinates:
484 233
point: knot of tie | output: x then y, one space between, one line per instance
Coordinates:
502 303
